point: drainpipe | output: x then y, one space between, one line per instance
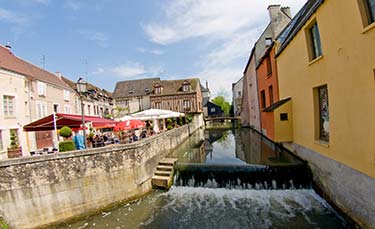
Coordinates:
30 119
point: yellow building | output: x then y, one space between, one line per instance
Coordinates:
326 65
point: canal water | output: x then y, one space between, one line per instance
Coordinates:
212 189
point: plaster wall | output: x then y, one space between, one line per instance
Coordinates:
348 189
13 84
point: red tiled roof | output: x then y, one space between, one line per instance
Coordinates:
12 63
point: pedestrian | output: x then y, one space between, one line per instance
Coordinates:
79 142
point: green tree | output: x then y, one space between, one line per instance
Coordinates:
220 101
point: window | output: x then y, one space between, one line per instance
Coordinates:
158 105
42 88
322 113
314 43
9 102
239 93
270 91
367 8
158 90
56 108
66 95
269 65
187 104
263 99
213 109
67 109
185 87
1 140
268 41
41 109
283 116
89 109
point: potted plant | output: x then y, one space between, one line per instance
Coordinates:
15 150
67 145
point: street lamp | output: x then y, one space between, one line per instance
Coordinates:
81 89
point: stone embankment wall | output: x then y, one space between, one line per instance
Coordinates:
43 190
348 189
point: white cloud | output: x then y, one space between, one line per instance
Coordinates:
12 17
220 80
44 2
151 51
229 27
130 69
221 18
73 5
99 38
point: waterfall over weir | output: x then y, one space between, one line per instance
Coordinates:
242 176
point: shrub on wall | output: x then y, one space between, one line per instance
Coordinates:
66 146
66 132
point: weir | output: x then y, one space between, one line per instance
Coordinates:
242 176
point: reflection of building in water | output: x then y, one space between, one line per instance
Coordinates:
209 148
250 142
252 148
213 135
191 150
240 152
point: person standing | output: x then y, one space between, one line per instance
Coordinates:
79 142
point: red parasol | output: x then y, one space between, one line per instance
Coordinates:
129 124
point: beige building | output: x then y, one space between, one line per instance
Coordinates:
40 94
14 112
96 102
133 95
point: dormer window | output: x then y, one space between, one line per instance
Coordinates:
147 90
185 86
131 91
268 41
158 89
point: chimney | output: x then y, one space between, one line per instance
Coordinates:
206 84
273 11
286 11
58 74
8 46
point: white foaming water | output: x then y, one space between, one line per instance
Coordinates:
191 207
207 207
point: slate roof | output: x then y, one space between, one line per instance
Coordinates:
173 87
298 21
15 64
90 87
132 88
204 89
276 105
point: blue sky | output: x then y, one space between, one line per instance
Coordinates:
108 41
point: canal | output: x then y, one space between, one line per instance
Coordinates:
226 179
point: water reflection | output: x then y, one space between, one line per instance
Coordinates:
237 146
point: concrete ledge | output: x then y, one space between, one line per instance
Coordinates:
350 190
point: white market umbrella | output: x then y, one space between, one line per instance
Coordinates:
126 118
151 114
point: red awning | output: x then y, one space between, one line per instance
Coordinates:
70 120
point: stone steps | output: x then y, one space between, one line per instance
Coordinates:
164 173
